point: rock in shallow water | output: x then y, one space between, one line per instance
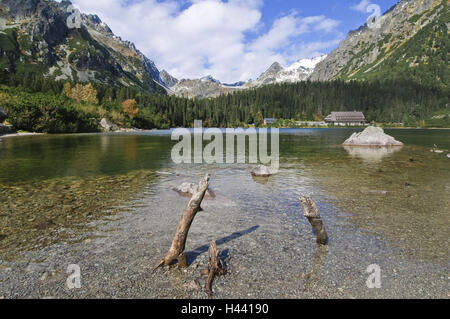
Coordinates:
261 171
372 136
188 189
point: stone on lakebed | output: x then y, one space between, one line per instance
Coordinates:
372 136
189 189
261 171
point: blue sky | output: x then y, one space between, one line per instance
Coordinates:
231 40
336 9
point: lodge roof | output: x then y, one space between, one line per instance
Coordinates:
346 117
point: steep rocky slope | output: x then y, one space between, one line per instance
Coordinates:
411 42
35 39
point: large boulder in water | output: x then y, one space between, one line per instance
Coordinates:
189 189
372 136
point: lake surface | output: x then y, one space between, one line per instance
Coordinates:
388 207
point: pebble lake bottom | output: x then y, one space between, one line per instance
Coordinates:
105 202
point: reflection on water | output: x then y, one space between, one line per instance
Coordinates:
371 154
261 179
314 274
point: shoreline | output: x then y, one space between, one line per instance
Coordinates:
22 134
222 128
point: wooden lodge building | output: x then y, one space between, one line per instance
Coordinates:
346 118
269 121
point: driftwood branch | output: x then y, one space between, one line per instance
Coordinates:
179 240
311 212
216 267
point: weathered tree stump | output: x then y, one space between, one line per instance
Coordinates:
179 240
311 212
216 267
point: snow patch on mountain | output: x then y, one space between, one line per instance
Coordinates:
298 71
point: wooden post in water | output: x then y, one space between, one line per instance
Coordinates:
311 212
179 240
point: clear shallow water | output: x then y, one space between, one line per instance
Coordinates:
377 204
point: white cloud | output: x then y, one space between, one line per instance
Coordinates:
361 7
191 39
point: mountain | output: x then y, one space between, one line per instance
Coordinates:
36 40
168 80
210 87
299 71
412 42
268 76
204 87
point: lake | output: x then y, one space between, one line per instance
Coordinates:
106 201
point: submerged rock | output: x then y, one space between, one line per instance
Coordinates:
436 150
43 225
373 192
261 171
372 136
189 189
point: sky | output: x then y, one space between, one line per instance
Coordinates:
232 40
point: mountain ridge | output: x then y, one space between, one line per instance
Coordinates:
36 40
377 53
208 86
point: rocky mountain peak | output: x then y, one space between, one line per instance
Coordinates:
298 71
209 78
275 67
93 21
168 80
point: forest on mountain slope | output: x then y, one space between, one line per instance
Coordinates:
423 59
